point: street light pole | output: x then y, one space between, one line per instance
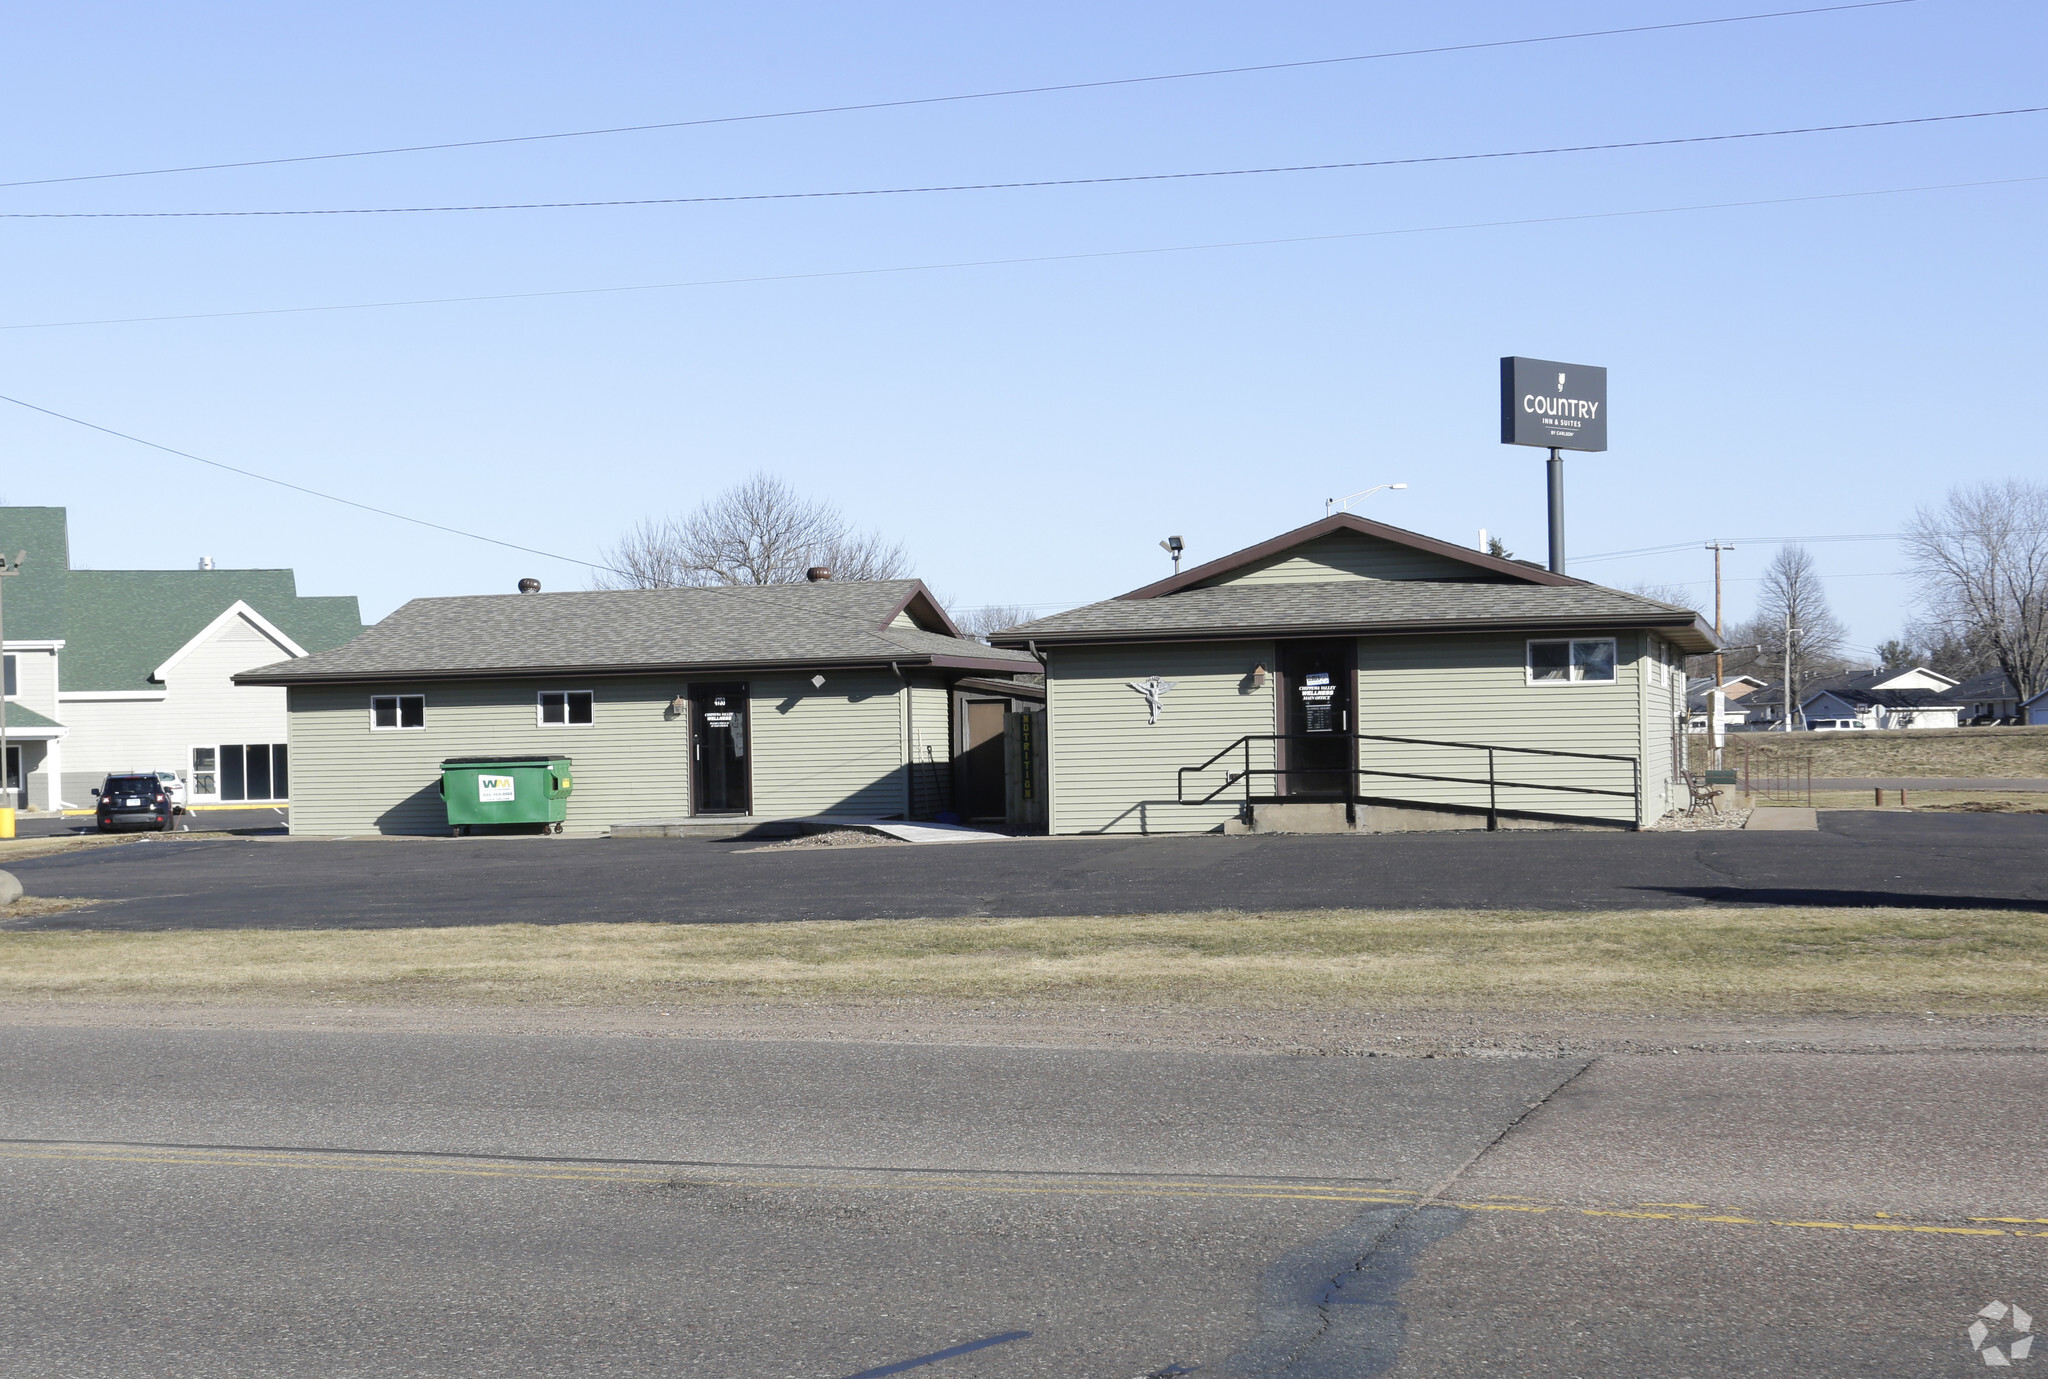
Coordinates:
6 788
1344 504
1715 709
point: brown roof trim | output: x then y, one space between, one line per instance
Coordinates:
637 668
989 663
1701 638
1349 521
1015 689
928 607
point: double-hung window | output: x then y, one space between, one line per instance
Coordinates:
565 708
394 711
1586 661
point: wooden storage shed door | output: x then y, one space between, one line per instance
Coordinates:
984 759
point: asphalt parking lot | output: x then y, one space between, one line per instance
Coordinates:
223 881
264 1202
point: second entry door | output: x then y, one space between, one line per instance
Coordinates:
1315 685
720 779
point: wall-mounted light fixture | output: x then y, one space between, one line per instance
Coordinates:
677 707
1259 676
817 682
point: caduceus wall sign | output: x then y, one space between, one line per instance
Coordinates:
1154 689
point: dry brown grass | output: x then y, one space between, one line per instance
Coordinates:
1758 960
1985 801
2010 752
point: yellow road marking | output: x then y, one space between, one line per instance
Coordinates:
1125 1187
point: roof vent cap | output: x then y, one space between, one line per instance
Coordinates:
818 574
529 586
206 562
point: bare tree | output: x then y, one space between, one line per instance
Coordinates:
759 532
980 622
1982 559
1792 590
1673 594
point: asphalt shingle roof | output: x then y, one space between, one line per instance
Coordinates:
22 716
624 630
1361 604
119 625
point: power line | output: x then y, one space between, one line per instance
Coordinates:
967 96
1740 540
313 492
1038 258
1037 183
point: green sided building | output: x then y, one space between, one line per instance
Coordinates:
1353 675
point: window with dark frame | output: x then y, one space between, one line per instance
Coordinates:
10 676
393 711
567 708
1579 661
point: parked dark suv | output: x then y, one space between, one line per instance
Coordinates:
134 802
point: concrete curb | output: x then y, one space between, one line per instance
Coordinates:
1784 820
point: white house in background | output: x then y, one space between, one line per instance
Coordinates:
131 670
1913 698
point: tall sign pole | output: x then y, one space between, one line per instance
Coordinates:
1557 406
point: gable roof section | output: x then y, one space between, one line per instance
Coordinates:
1483 568
237 609
635 631
33 601
1363 607
123 624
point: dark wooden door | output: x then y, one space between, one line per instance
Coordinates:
721 778
984 760
1316 715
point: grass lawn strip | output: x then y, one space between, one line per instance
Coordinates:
1763 960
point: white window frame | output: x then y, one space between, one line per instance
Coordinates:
1571 662
540 717
400 726
192 793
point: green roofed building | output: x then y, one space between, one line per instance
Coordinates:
129 670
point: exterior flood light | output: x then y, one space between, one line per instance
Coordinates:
1173 546
817 682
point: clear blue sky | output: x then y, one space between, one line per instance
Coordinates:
1030 430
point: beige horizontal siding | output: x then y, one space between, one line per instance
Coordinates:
931 746
1475 690
835 750
1346 555
831 750
1112 771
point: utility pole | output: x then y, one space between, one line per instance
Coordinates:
1790 630
7 568
1714 696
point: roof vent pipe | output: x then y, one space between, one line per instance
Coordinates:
818 574
529 586
206 562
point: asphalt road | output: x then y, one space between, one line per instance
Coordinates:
1982 860
230 1203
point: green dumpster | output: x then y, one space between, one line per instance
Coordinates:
506 790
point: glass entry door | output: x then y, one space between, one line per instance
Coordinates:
1315 696
720 779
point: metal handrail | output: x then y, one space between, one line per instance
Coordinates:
1493 783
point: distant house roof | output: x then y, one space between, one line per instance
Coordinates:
1990 687
632 631
118 626
1859 694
